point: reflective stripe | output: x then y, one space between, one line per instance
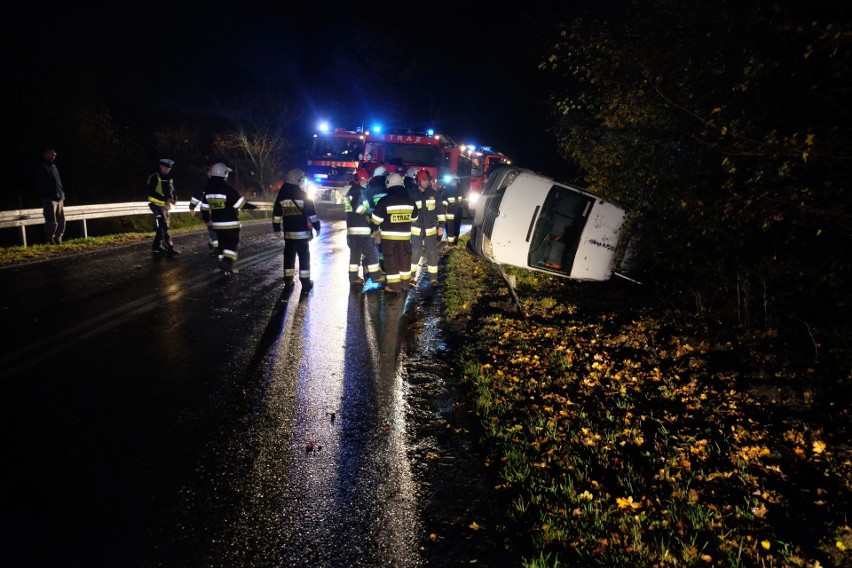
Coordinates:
395 236
226 225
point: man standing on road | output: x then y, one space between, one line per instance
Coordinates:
377 189
220 209
49 189
295 212
454 202
394 214
195 201
359 231
161 197
428 228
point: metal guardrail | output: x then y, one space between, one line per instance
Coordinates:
23 217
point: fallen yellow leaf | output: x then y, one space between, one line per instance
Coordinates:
819 446
474 526
765 544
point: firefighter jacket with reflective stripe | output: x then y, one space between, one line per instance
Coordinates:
161 189
295 211
357 207
430 208
394 214
195 200
453 199
221 204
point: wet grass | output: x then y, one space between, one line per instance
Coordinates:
631 433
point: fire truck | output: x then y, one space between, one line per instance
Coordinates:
333 157
484 160
437 153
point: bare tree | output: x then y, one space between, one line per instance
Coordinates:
262 142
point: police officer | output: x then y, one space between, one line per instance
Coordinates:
161 197
295 213
393 215
428 228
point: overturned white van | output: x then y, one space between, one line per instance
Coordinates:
530 221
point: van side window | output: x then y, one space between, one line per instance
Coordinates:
557 235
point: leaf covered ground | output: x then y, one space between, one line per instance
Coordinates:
625 431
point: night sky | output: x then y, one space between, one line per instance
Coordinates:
464 69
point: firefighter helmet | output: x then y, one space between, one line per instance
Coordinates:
219 170
294 176
380 171
424 174
360 175
411 173
394 179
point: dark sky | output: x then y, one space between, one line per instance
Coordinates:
466 69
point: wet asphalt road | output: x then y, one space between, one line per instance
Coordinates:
158 413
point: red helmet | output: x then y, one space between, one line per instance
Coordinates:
360 175
423 174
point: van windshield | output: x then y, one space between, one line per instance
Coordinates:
558 230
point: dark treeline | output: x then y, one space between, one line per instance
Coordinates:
725 128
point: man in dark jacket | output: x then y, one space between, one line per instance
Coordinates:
359 232
49 190
295 213
220 209
378 188
195 201
428 228
454 202
393 215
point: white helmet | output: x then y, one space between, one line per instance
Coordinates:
411 173
294 176
394 179
220 170
380 171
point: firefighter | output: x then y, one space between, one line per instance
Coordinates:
220 209
195 201
378 186
454 203
375 191
428 228
393 215
161 197
296 212
410 179
359 231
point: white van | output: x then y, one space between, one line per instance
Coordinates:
530 221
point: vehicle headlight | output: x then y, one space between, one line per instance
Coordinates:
311 190
472 198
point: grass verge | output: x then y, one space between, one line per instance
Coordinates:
631 433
